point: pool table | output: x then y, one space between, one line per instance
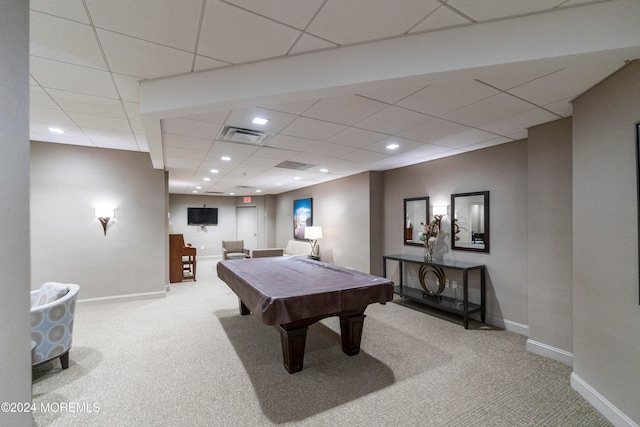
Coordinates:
291 293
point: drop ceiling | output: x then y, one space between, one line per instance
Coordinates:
339 81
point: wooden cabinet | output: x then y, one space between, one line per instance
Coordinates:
182 259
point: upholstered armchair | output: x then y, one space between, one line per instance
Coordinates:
52 311
234 249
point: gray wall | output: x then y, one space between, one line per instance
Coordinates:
208 241
549 237
606 314
67 241
15 333
500 169
342 208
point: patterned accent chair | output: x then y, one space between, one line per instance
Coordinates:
52 311
234 249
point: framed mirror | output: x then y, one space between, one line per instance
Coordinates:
416 212
470 223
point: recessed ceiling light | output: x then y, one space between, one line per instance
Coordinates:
206 178
296 177
259 121
258 191
324 170
198 188
56 130
225 158
278 183
214 171
194 191
392 146
232 193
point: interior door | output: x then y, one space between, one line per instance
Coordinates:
247 226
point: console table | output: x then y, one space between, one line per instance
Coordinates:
441 302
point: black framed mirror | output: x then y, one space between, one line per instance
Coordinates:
470 223
416 214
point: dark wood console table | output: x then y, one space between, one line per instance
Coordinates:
441 302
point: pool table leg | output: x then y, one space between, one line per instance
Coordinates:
351 332
243 308
293 342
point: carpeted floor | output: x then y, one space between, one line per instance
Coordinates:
190 359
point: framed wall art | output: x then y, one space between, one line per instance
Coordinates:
302 216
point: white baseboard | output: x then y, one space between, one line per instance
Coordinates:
510 326
120 298
602 405
550 352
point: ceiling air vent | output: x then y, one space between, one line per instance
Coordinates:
242 136
214 192
288 164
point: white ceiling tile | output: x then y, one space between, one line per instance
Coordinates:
308 43
330 150
364 156
132 109
135 57
204 63
111 139
69 9
181 163
442 17
293 143
38 97
274 153
346 110
52 117
184 153
563 84
425 151
353 21
332 163
105 123
563 108
439 99
493 142
518 122
259 37
405 145
82 140
128 87
469 136
492 9
231 148
392 120
432 130
392 95
55 75
489 110
63 40
243 118
512 80
312 129
292 12
81 103
166 22
355 137
194 128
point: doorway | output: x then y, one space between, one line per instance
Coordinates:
247 226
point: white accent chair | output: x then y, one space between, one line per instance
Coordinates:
53 308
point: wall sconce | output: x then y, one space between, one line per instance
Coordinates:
313 234
440 212
105 215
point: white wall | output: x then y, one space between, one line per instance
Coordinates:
15 332
502 170
606 313
67 241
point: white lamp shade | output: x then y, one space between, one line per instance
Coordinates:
440 210
313 233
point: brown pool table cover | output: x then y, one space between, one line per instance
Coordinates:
282 290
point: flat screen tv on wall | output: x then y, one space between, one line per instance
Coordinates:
202 216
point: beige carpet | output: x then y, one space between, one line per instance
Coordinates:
190 359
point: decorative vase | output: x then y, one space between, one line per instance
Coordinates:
428 250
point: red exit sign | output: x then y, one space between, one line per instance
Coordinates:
247 199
